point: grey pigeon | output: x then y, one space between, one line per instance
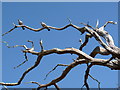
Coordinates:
45 26
20 23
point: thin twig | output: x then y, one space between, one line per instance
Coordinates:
41 45
88 25
24 46
56 86
26 59
10 30
54 69
5 87
35 83
86 76
25 54
87 36
96 81
97 24
111 22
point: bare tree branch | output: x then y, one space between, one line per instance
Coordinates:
54 69
99 50
59 51
107 48
10 30
87 36
96 81
24 74
41 45
86 76
26 59
56 86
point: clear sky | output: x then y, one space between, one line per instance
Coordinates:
55 14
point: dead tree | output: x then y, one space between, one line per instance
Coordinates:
107 48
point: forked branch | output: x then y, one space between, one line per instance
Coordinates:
107 48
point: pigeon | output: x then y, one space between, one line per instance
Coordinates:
20 23
45 26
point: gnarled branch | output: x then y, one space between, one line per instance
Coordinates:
106 49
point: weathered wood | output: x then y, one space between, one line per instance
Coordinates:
108 48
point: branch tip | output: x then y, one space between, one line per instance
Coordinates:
41 45
26 59
97 23
54 69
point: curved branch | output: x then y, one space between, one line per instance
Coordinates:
63 75
54 69
100 31
115 53
99 50
56 86
72 65
62 51
87 36
88 58
96 81
97 33
10 30
82 30
26 59
24 74
86 76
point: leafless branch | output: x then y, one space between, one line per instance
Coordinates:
97 23
54 69
24 46
10 30
44 26
56 86
26 59
87 36
41 45
59 51
96 81
108 48
86 76
35 83
24 74
99 50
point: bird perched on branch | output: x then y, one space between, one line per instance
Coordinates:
20 23
45 26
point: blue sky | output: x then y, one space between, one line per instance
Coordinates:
55 14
